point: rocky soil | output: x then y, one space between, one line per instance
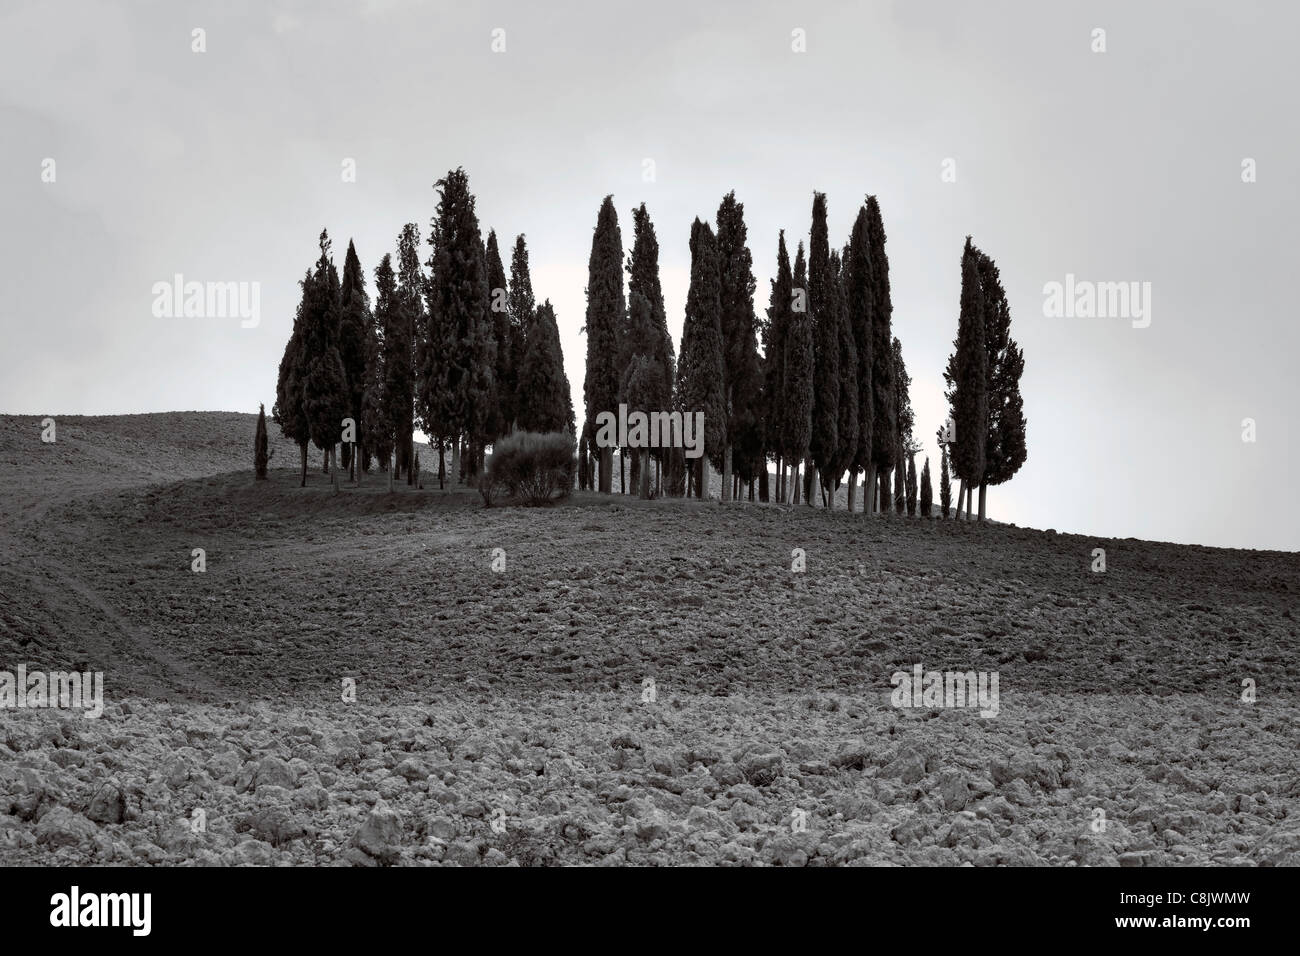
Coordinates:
504 716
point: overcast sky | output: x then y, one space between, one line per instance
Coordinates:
1123 165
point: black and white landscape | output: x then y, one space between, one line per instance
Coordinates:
682 434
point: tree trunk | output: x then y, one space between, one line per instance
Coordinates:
809 478
869 490
796 481
390 473
334 472
983 489
455 461
853 490
726 473
634 469
606 470
764 485
644 473
302 447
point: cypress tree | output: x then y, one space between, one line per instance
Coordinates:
381 410
459 350
775 331
945 484
522 307
967 380
860 299
605 316
1005 449
288 411
355 324
542 377
826 339
325 387
700 371
740 380
404 336
911 487
884 402
927 493
259 445
643 387
503 413
643 278
847 428
800 368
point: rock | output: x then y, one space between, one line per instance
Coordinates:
380 835
275 824
762 769
274 772
108 805
441 828
954 790
412 769
62 827
726 773
851 755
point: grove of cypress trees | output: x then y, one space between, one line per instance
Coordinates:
927 493
325 387
700 371
967 378
605 316
289 411
884 407
259 445
800 369
860 300
542 377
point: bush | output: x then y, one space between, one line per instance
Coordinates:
533 466
488 487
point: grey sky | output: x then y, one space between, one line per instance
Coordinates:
1115 166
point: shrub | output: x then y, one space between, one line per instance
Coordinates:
534 466
488 487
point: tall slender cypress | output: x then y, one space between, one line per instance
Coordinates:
826 383
289 411
967 380
699 373
860 294
884 402
605 316
800 370
503 412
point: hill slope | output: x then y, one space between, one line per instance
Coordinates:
526 688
